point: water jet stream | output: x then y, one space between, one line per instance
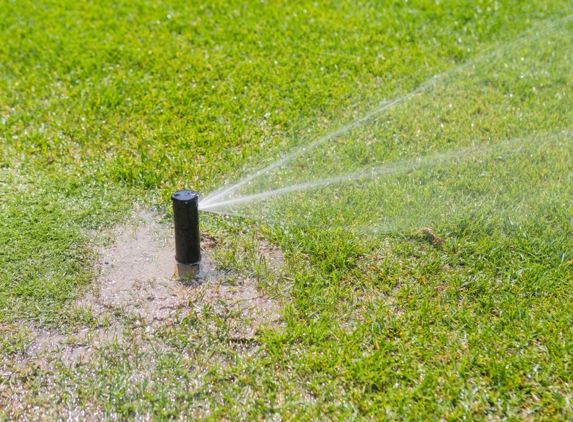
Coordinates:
216 198
512 146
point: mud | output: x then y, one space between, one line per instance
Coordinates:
139 275
139 285
138 296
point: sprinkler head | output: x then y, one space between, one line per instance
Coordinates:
186 222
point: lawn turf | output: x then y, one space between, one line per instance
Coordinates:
103 104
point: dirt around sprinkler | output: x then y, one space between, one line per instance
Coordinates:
137 287
140 277
138 274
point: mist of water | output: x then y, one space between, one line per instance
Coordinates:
385 170
505 101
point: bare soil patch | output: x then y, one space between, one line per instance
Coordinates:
138 285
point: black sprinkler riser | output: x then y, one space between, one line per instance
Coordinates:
186 222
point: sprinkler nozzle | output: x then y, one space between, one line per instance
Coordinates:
186 222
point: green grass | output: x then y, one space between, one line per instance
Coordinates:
107 104
45 254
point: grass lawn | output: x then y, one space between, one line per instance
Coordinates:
439 292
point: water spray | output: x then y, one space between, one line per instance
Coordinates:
187 236
226 195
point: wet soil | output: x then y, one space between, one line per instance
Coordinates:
139 284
